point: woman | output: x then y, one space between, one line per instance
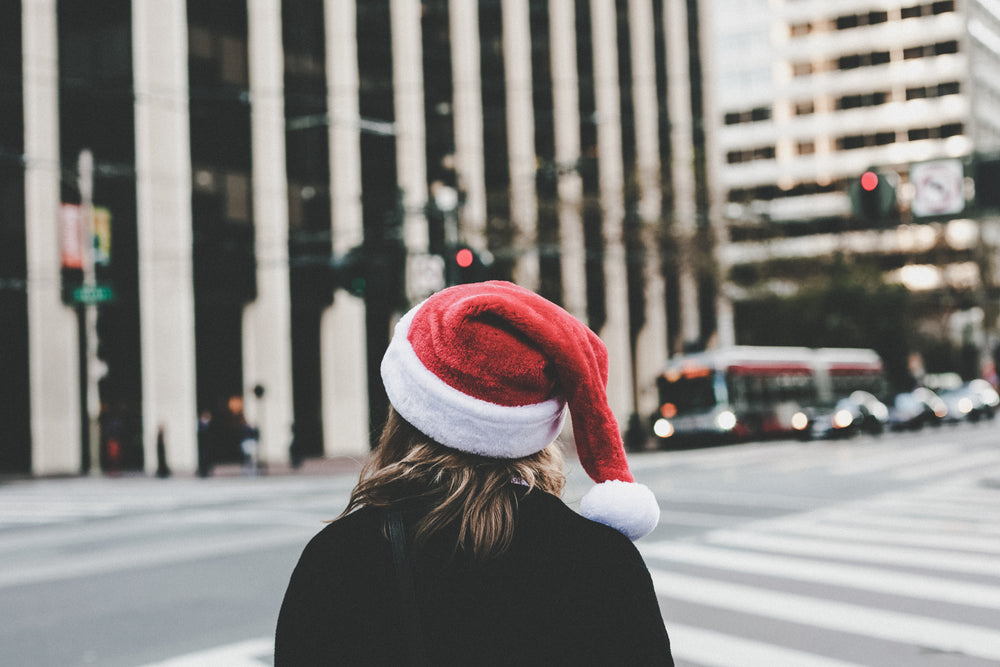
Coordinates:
455 548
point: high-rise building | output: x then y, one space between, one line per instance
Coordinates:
278 180
806 96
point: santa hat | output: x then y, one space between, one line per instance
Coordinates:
490 369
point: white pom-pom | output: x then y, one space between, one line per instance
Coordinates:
628 507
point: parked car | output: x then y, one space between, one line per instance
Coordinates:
972 401
912 410
861 412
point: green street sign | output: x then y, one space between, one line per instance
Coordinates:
91 294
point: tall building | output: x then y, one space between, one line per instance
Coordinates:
272 183
808 95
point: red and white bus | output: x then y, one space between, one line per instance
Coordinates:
747 392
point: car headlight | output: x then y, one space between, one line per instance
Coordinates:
965 405
800 421
725 420
662 428
842 419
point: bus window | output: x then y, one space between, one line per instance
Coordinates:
688 394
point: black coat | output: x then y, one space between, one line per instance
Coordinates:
569 591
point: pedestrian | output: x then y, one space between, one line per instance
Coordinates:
455 547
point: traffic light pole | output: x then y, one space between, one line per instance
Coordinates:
92 365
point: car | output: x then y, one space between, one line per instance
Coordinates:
972 401
860 412
912 410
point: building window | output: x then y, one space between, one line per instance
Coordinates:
805 147
755 115
873 99
847 22
948 88
940 90
857 20
943 48
911 12
750 155
805 108
802 69
855 141
950 130
943 7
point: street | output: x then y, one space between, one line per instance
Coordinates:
872 551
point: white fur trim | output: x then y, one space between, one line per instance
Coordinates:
458 420
628 507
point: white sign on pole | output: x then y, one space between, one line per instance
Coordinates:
937 188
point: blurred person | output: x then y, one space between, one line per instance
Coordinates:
206 443
455 547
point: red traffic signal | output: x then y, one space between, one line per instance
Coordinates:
464 258
869 181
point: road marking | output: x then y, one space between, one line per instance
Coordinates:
739 498
888 625
937 468
895 457
715 649
163 553
922 539
250 653
834 574
947 561
892 521
696 519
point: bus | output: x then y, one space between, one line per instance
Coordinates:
751 392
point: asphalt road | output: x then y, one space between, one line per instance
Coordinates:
826 554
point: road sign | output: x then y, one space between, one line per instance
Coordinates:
91 294
938 188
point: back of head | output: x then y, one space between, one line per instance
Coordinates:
489 370
472 496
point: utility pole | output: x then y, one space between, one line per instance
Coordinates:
93 368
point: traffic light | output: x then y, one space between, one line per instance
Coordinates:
873 197
987 179
351 270
465 265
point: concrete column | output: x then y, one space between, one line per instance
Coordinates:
651 345
163 194
521 141
267 352
343 335
408 94
725 328
467 107
566 116
611 185
53 352
682 163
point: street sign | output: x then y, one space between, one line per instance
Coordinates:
938 188
91 294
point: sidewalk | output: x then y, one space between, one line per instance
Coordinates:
337 465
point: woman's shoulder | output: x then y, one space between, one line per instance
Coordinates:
353 532
550 519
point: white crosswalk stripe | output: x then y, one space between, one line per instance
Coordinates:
937 546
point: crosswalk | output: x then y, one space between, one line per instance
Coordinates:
908 577
748 575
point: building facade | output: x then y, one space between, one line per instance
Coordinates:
273 183
808 96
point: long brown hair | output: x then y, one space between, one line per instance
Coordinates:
470 492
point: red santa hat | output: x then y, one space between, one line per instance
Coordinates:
491 368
